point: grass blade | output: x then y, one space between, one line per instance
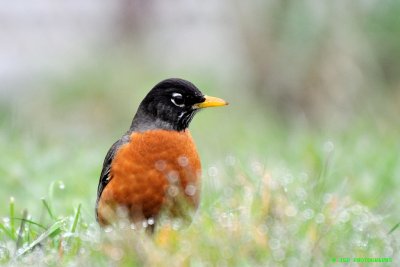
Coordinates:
47 206
394 228
7 231
76 218
12 216
21 229
55 227
31 222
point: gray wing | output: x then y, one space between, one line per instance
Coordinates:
105 176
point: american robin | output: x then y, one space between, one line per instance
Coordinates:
154 167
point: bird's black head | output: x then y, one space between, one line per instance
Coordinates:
171 105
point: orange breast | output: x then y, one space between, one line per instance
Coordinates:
156 169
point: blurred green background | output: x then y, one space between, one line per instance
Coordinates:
313 86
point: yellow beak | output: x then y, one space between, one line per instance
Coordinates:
211 102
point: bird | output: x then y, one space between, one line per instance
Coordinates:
155 168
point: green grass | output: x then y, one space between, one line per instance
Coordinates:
279 197
275 193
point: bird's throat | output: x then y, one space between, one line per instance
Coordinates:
144 121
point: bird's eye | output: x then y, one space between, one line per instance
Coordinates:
178 100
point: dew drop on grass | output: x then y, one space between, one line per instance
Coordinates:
388 251
284 242
357 210
123 223
150 221
279 255
82 251
122 212
248 193
213 171
363 245
226 220
359 242
230 160
308 214
291 211
256 167
190 190
279 230
20 250
273 184
67 235
360 222
327 198
262 229
274 243
116 253
108 229
319 218
303 177
286 179
61 185
176 224
344 216
173 191
301 193
328 147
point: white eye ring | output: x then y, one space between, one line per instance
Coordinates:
177 95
